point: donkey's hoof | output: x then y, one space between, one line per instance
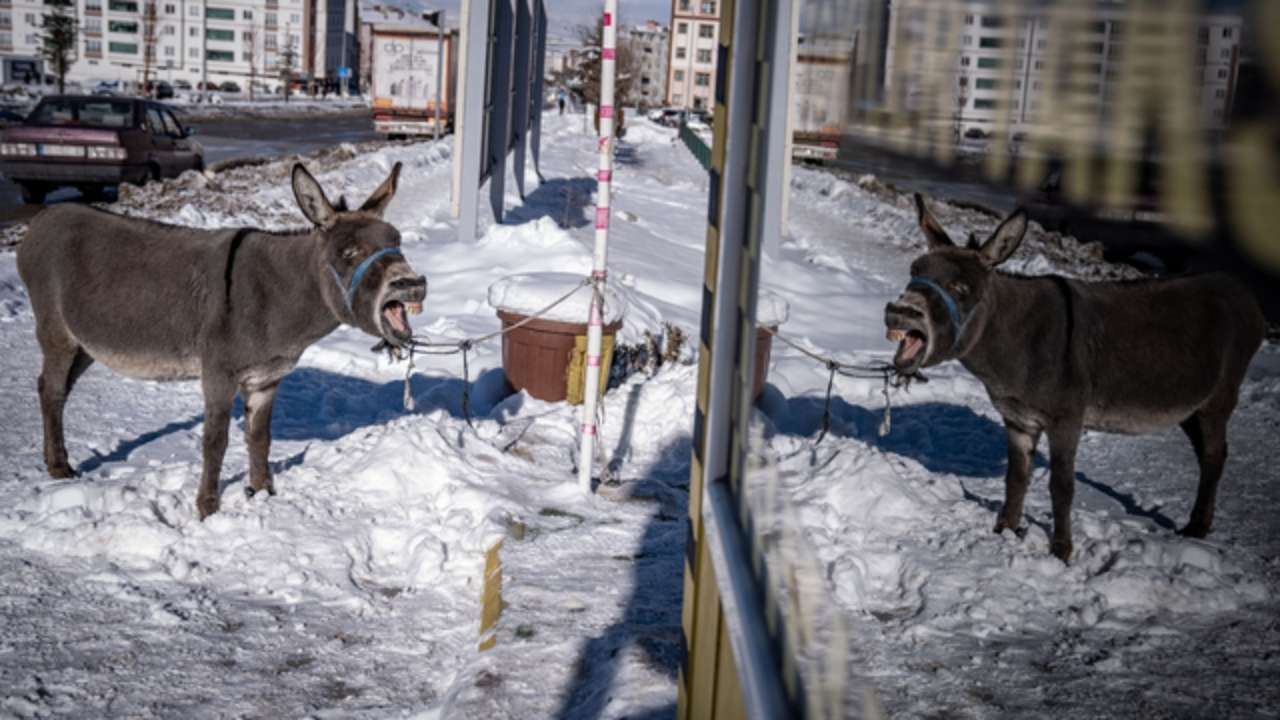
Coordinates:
207 506
61 471
250 491
1001 526
1061 549
1193 530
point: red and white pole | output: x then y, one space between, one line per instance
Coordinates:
604 181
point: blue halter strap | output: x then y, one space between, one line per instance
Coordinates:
953 309
349 292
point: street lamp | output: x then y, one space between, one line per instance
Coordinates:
437 18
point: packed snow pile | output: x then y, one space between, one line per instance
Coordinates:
357 590
543 295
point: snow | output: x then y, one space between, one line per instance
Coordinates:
532 293
356 591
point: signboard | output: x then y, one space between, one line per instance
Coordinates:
501 98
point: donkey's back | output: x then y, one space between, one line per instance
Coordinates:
1158 351
131 292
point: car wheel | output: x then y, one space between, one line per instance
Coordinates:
33 192
153 174
198 166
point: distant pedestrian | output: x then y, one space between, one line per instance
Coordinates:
560 97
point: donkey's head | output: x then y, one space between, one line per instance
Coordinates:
942 309
369 284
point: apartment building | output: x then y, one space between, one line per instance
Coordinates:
190 40
1064 59
649 50
695 34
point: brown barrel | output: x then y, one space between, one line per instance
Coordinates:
537 356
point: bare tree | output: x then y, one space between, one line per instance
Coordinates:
148 47
288 59
250 38
584 80
58 42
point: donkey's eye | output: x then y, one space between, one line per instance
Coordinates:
350 253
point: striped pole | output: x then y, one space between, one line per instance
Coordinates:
604 180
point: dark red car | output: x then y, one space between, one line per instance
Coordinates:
93 142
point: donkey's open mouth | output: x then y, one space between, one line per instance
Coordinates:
908 327
402 298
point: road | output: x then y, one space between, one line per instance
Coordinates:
231 138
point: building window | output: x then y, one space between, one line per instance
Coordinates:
269 42
682 28
127 48
964 61
990 42
214 13
709 8
1222 73
93 47
168 50
122 6
702 79
295 18
681 53
246 15
123 27
968 19
986 83
224 35
31 19
93 6
992 21
1221 93
706 31
193 31
989 62
1226 53
194 52
93 25
170 9
984 104
6 39
169 30
679 76
704 56
964 81
270 20
1227 32
220 55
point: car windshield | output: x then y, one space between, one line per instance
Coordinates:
86 112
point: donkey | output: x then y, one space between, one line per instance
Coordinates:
234 308
1058 356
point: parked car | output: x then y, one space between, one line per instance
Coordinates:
230 86
107 87
181 84
974 133
93 142
160 90
11 117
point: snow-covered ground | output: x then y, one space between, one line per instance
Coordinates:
356 591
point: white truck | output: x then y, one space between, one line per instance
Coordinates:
404 75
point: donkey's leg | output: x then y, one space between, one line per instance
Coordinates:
1208 433
219 396
257 409
64 362
1063 441
1022 446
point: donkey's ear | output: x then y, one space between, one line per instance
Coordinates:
933 232
381 198
311 199
1005 239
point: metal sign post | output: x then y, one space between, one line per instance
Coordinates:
604 180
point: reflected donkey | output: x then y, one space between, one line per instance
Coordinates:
1059 356
234 308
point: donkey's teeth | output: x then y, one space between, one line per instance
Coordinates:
415 308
